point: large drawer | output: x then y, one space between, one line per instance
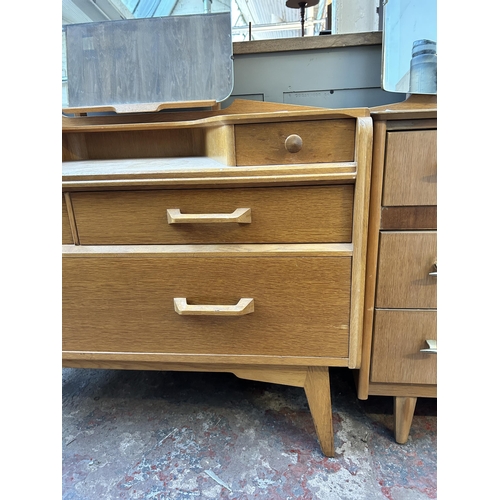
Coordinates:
320 141
125 303
406 261
398 337
315 214
410 176
67 237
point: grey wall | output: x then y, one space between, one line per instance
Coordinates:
340 77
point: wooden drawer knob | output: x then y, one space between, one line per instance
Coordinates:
293 143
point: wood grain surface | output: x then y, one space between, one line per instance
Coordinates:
411 168
405 260
67 237
322 141
315 214
125 304
397 339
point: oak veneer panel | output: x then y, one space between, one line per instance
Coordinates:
323 141
314 214
74 147
402 218
144 143
67 237
397 339
405 261
125 304
410 168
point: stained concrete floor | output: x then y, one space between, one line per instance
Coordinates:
179 435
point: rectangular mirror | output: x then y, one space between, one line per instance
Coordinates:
147 64
409 57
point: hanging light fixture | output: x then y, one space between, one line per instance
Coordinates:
300 4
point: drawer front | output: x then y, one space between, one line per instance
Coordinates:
67 237
321 141
405 261
398 337
125 303
410 176
314 214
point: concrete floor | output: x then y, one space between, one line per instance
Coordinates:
159 435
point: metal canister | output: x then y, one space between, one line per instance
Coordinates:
423 67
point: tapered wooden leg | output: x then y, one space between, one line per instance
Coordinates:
317 387
403 417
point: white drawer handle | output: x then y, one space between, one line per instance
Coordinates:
432 347
240 215
435 272
244 306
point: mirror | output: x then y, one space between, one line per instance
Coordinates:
409 57
141 63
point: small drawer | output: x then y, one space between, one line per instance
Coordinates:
317 214
410 176
398 338
406 265
67 237
322 141
125 303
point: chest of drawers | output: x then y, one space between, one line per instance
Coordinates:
400 334
230 241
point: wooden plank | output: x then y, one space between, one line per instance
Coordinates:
67 236
71 219
279 215
169 251
377 177
398 337
411 168
179 173
167 361
405 260
323 141
416 106
404 218
307 43
410 390
252 112
363 156
126 304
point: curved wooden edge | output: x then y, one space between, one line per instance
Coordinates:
415 106
252 112
146 107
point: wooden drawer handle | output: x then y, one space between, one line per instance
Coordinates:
293 143
240 215
244 306
432 347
